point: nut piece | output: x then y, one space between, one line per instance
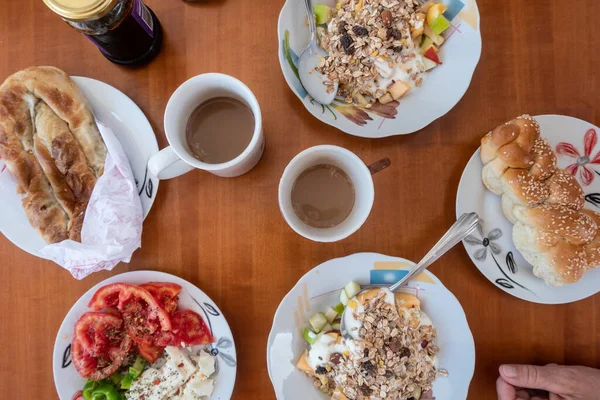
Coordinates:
386 17
386 98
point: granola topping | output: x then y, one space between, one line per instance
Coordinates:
365 37
392 358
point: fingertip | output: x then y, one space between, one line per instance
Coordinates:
508 371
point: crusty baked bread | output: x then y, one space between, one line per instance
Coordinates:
51 144
545 204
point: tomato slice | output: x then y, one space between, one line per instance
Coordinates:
124 296
99 345
189 328
99 330
149 352
166 293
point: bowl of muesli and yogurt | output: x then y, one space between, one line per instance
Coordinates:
400 64
414 344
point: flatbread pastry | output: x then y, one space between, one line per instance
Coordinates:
51 144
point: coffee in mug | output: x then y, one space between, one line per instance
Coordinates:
323 196
219 130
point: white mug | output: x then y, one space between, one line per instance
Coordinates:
177 159
357 171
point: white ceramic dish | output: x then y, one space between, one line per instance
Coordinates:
66 377
492 250
441 90
319 289
130 125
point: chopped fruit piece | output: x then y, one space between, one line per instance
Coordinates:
386 98
318 322
437 39
416 32
435 11
352 289
432 55
343 295
426 44
331 314
303 365
333 335
322 14
339 308
336 326
429 65
368 295
398 89
405 300
309 336
439 25
327 328
352 304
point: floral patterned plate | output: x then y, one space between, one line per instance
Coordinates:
491 248
67 379
441 90
320 288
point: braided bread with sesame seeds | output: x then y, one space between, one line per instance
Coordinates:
545 203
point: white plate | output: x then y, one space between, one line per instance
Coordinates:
492 249
66 377
441 90
130 125
319 289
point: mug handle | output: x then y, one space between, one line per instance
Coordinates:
166 164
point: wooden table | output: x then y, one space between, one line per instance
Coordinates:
227 236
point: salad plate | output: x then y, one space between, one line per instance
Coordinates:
492 249
68 380
319 290
440 91
129 124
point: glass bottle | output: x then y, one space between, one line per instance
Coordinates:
127 32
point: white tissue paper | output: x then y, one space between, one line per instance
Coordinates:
112 227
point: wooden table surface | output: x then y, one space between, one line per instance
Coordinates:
227 236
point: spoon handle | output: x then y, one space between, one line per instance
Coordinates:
312 26
465 224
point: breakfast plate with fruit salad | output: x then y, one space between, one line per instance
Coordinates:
412 344
144 335
400 64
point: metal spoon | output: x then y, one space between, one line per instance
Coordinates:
309 60
464 226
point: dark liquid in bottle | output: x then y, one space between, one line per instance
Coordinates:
135 40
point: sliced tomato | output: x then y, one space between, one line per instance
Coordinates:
190 329
166 293
98 331
100 345
150 353
123 296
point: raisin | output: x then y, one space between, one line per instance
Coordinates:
347 42
394 33
368 366
389 374
396 49
360 31
366 353
424 343
405 352
320 370
335 358
394 344
365 390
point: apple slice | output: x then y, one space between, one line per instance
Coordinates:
439 25
386 98
398 89
432 55
438 40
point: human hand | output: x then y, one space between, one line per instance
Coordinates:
553 382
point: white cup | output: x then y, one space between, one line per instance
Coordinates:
357 171
177 159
